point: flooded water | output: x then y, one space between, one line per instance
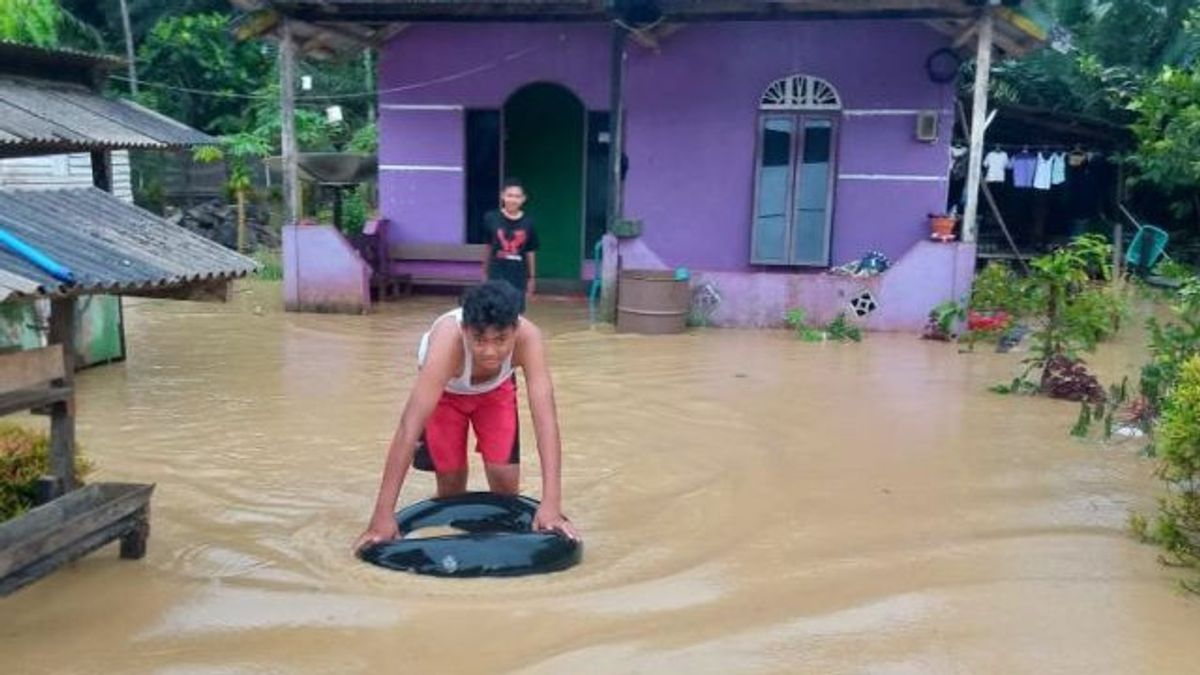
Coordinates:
750 503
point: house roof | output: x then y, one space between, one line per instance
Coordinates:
329 27
27 55
108 245
50 102
43 116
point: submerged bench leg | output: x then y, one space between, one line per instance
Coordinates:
133 543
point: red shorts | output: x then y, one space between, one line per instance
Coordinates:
443 446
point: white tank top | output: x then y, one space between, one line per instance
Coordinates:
461 384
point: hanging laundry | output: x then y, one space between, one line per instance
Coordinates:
996 162
1058 168
958 161
1041 176
1078 157
1024 166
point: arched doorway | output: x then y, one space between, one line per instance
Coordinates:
544 146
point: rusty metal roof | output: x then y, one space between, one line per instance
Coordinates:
41 116
110 246
345 26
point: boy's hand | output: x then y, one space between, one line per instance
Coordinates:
377 533
548 518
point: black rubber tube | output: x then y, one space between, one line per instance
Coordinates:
496 542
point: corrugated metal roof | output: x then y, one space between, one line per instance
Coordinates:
110 246
60 116
23 51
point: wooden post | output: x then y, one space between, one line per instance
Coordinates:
616 117
241 220
369 82
129 55
287 104
616 149
1118 227
983 67
62 416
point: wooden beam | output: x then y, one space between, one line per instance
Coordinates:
201 291
287 103
616 116
965 36
645 39
383 35
983 67
62 416
30 368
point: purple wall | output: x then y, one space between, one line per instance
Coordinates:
692 125
322 272
691 121
442 69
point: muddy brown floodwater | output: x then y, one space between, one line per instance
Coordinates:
750 503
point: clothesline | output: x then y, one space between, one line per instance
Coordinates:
1036 147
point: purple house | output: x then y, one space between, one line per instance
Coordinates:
764 143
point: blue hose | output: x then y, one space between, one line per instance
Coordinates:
597 280
36 258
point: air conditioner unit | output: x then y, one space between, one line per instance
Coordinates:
927 126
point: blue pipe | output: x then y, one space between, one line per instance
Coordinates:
36 258
597 280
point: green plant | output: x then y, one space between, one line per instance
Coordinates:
798 320
1173 269
998 289
24 458
1177 527
1073 309
838 330
841 330
943 319
365 140
32 21
270 264
1171 344
1167 130
238 150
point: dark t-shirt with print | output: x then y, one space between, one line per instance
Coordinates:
510 239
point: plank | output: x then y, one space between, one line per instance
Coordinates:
29 399
438 252
73 551
30 368
54 526
62 415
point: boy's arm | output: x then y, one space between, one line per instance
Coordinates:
545 426
431 380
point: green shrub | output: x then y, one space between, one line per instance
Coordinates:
25 457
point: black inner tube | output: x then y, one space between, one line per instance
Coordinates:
497 539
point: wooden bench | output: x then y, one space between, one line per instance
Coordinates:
67 526
443 253
28 379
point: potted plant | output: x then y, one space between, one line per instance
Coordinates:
942 225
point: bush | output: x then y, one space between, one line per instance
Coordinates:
998 289
25 457
270 264
1177 434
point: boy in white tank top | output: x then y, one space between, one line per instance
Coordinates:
466 378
